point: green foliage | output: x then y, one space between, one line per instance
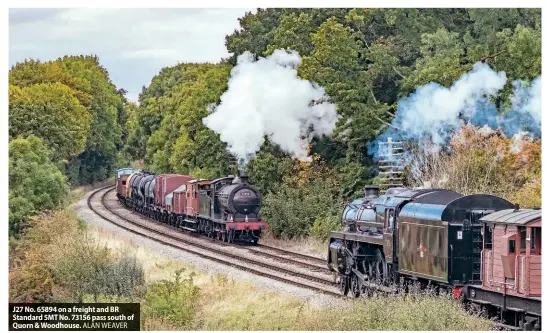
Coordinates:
31 277
256 33
323 226
523 47
310 197
81 109
57 260
171 301
50 112
167 129
268 168
35 182
293 33
83 267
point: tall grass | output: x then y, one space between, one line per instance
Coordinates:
228 305
304 244
59 260
225 304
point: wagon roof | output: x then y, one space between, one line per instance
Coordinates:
513 216
214 181
181 188
200 181
126 169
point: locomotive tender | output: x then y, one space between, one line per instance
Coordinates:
481 246
227 208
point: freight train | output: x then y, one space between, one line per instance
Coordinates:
227 209
482 247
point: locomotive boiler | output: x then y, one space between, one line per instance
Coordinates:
240 200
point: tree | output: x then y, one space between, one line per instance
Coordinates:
90 84
98 160
51 112
35 182
195 148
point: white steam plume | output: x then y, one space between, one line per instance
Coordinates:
528 99
435 110
267 98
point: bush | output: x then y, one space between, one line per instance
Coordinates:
322 227
31 277
416 311
57 260
313 194
237 306
82 266
170 304
35 182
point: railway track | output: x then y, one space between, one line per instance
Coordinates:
283 252
316 265
222 253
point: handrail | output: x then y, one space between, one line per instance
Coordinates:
523 262
488 266
480 276
515 284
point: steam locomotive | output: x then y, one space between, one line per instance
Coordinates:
482 247
227 208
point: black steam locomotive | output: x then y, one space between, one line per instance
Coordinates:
442 238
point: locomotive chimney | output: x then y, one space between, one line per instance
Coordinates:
517 208
372 191
241 174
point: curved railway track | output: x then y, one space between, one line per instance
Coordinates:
311 263
195 245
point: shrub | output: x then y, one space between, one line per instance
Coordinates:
237 306
170 304
82 266
322 227
31 277
35 182
313 194
57 260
